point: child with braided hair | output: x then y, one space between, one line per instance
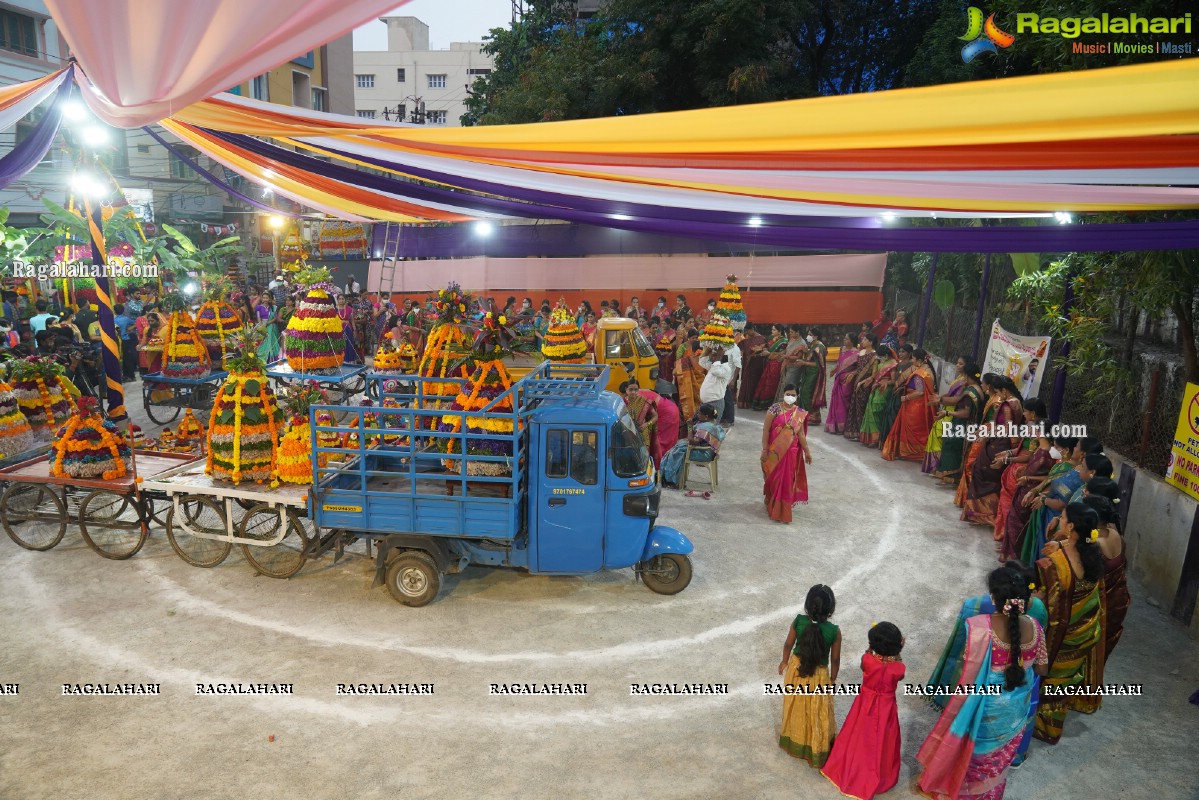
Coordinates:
811 659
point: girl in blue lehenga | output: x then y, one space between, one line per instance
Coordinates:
974 743
705 442
949 668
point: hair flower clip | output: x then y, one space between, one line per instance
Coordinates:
1094 535
1032 586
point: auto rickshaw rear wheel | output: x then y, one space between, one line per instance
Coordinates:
668 573
413 578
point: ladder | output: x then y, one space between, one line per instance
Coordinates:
391 263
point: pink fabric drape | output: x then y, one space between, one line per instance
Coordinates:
149 59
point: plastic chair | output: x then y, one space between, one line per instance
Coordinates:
709 465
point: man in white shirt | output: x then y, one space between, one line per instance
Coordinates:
353 287
716 382
730 394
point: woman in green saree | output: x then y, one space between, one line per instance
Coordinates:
870 434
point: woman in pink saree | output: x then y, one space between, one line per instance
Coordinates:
784 436
844 376
668 426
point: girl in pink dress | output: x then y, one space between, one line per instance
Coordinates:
865 756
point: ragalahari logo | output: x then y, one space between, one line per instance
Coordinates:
982 37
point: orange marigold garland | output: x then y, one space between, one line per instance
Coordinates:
730 305
15 434
718 331
216 321
90 446
314 341
295 448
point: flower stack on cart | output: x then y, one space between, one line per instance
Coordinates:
447 351
91 446
216 322
15 434
314 341
246 423
295 448
487 382
42 394
184 353
563 343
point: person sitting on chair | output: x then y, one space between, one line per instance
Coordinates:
704 442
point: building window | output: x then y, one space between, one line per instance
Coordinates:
365 81
478 72
366 114
437 81
401 74
318 100
436 117
18 33
179 168
301 89
258 88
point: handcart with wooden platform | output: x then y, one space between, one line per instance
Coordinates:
195 393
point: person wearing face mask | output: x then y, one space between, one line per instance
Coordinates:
1060 482
661 312
784 453
966 411
705 316
813 376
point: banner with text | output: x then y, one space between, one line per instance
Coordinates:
1183 469
1018 357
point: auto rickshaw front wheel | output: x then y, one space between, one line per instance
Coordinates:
413 578
669 573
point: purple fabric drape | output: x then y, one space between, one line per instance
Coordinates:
30 152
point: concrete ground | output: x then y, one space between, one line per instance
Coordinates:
881 534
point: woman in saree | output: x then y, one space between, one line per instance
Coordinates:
1016 519
860 383
881 377
667 430
1014 462
588 329
689 376
910 432
966 411
784 452
1049 498
991 391
643 410
843 377
1103 499
948 672
975 740
941 404
813 375
753 359
772 369
704 441
886 419
983 498
1071 584
665 346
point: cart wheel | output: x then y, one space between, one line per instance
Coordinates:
668 573
355 385
38 504
165 415
204 516
282 559
156 510
112 534
413 579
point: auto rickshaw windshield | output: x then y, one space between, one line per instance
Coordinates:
630 459
644 348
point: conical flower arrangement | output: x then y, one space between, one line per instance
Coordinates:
729 304
189 431
718 331
246 422
563 342
314 341
216 321
90 446
42 395
15 434
448 349
394 358
489 380
295 448
184 353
